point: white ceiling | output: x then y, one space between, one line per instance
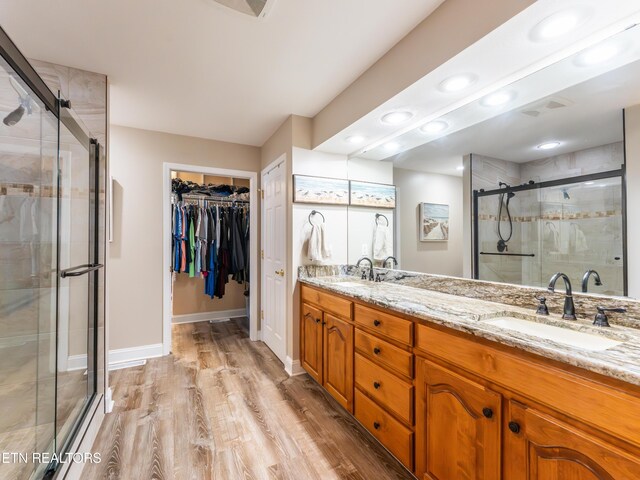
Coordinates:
195 68
502 57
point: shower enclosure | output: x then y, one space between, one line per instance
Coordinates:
524 234
51 280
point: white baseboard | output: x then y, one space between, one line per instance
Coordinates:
129 357
77 362
221 316
293 367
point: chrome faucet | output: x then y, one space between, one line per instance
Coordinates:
585 280
395 262
569 311
370 267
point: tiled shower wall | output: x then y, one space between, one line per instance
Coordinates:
565 234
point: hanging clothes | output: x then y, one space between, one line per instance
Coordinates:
211 242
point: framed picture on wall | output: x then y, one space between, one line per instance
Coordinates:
332 191
434 222
378 195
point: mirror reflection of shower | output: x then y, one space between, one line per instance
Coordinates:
25 104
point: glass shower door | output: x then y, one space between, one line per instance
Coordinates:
28 279
582 230
78 279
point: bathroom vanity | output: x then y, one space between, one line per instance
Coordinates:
458 387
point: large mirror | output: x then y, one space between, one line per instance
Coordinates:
518 184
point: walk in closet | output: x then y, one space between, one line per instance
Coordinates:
210 247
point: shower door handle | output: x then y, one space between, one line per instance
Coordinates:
75 272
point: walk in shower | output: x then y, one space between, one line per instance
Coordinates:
525 233
51 275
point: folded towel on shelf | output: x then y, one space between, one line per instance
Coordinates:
382 243
318 249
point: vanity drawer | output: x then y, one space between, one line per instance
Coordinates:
384 324
397 438
326 301
608 408
390 391
384 353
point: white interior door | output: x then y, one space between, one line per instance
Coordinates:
273 262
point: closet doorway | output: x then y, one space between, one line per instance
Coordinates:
189 287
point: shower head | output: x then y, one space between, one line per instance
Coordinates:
14 117
565 194
26 104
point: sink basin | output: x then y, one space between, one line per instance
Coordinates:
565 336
348 284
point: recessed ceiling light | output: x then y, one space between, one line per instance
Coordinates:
460 168
355 139
559 24
497 99
548 145
396 118
588 183
457 83
434 127
391 146
598 54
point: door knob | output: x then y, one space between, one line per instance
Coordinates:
280 272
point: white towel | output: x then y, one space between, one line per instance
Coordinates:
382 245
318 249
579 240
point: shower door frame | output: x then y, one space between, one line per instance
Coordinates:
90 412
477 194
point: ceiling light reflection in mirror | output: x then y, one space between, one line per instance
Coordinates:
535 94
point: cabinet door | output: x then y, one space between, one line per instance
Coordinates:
311 341
338 360
541 447
458 426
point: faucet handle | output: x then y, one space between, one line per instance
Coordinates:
542 307
601 319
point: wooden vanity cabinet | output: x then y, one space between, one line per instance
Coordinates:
458 426
539 446
326 343
452 406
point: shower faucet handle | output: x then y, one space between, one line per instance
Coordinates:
542 307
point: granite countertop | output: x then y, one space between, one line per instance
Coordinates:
469 314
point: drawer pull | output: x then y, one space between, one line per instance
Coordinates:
376 351
376 323
514 427
376 425
487 412
376 385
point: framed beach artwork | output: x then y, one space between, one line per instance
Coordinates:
434 222
378 195
333 191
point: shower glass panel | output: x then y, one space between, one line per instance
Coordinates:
581 229
516 228
570 225
51 203
28 259
76 366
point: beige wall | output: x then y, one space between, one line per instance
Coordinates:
451 28
632 153
443 258
135 259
